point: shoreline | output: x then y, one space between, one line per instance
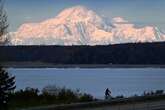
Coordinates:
90 66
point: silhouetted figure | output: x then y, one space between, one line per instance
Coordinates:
107 93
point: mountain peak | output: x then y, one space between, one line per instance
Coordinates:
77 14
81 26
79 7
75 9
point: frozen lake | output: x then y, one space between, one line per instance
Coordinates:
94 81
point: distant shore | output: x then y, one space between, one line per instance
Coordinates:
51 65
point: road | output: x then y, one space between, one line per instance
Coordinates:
156 102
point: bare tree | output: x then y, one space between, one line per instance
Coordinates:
3 24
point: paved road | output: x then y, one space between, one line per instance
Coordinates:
137 103
156 105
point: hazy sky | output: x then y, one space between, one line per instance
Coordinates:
148 12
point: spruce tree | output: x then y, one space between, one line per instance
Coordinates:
7 85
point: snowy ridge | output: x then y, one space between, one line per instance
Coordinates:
81 26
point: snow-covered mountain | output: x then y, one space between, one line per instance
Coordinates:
81 26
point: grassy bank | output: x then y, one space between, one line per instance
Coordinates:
31 97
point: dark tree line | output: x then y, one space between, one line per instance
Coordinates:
140 53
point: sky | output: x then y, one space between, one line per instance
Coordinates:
141 12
